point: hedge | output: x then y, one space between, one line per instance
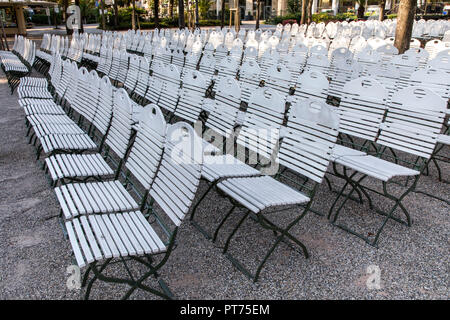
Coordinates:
163 23
318 17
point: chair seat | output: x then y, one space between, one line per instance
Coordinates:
14 65
375 167
67 142
77 166
43 119
444 139
43 109
45 129
259 193
340 151
43 55
35 101
33 92
33 82
91 57
225 166
104 236
94 197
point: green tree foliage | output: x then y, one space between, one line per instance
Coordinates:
293 6
203 7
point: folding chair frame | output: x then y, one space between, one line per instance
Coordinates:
356 185
282 234
134 283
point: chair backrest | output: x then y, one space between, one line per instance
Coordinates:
433 47
143 77
263 119
362 108
249 78
191 96
250 53
368 57
178 57
120 130
434 79
228 66
341 53
102 117
146 153
318 50
387 74
236 52
375 43
78 102
312 84
179 173
66 77
170 88
224 108
406 63
132 73
72 83
311 134
319 63
268 59
341 72
441 62
114 70
387 51
221 52
413 122
295 61
279 78
91 99
419 54
123 66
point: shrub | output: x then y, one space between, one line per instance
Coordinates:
279 19
291 21
163 23
319 17
345 16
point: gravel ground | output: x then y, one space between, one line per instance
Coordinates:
413 261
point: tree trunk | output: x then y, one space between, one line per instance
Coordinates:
309 11
65 4
405 21
222 14
102 6
171 8
303 19
382 5
133 16
116 14
156 12
360 12
181 23
258 6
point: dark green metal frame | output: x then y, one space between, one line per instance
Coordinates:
356 185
